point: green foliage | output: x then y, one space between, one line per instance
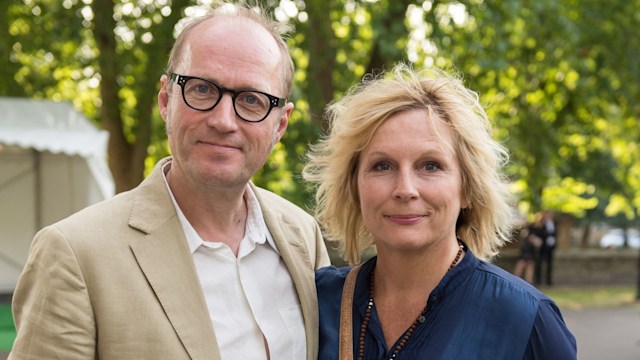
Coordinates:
569 196
51 53
7 330
561 79
556 95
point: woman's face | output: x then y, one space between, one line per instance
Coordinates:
410 183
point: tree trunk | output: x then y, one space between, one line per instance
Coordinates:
118 150
322 58
388 28
586 235
127 158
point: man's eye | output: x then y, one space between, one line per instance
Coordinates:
199 88
252 99
203 89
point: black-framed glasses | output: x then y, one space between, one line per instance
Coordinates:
204 95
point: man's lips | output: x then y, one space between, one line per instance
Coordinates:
220 146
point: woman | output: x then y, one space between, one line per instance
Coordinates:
529 248
410 167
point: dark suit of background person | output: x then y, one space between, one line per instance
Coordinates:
545 260
119 280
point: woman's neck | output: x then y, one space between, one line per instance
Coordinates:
413 272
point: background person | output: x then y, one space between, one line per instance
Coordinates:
410 167
196 262
530 250
548 245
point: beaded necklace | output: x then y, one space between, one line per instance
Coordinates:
405 338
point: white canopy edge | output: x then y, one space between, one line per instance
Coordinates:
58 128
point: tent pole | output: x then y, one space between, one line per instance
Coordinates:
38 189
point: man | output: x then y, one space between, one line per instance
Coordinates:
545 260
196 262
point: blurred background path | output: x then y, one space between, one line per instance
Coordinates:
606 333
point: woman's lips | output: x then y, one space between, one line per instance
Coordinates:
405 219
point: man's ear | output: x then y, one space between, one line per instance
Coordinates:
283 120
163 97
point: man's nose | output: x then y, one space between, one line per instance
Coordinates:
223 117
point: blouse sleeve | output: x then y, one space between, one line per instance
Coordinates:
550 338
329 282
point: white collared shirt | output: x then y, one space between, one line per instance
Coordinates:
251 295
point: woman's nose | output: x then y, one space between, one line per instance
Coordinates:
405 188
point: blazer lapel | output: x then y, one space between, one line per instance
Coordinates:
165 260
288 239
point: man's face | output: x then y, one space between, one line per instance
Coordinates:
216 148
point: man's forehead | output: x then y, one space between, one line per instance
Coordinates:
232 32
232 44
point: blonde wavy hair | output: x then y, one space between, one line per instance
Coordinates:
332 163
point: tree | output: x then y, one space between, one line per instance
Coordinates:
561 80
129 77
104 57
8 84
547 93
334 45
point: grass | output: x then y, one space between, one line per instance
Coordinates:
7 331
576 298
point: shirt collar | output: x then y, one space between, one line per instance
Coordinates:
452 280
256 230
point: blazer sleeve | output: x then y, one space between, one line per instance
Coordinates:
550 337
322 256
51 305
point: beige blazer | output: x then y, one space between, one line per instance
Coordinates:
117 281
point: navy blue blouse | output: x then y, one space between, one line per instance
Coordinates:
478 311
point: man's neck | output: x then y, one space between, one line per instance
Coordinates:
216 215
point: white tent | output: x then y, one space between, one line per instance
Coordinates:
52 164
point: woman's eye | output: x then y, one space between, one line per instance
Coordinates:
381 166
431 166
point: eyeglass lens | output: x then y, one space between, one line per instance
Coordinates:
204 95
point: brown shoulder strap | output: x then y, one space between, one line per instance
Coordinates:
346 315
